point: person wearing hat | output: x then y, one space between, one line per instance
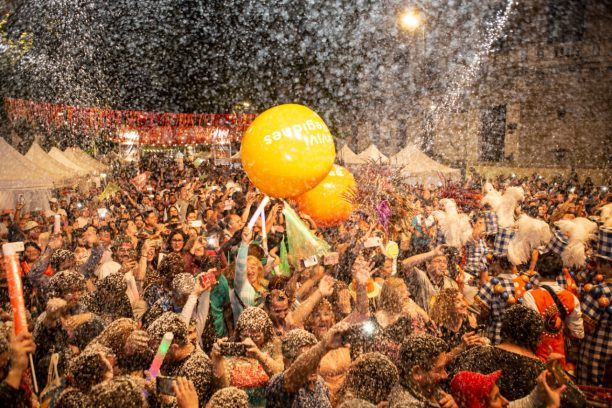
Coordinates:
595 358
475 390
33 231
55 209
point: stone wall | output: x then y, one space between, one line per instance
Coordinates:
557 96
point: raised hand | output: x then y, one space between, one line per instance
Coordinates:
326 286
247 235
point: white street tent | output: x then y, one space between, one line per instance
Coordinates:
60 157
371 153
19 176
37 155
73 157
416 166
348 156
80 154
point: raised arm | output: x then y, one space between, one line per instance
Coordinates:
240 279
301 313
200 297
297 374
415 260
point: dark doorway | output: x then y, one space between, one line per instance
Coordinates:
492 134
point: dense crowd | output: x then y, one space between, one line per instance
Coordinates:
494 299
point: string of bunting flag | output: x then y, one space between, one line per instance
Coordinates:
145 128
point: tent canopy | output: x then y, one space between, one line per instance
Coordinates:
418 166
348 156
17 172
37 155
86 158
18 176
371 153
73 157
60 157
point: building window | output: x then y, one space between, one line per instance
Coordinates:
428 136
492 134
565 20
402 133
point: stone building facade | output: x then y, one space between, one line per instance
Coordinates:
543 97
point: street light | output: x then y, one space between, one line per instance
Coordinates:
411 20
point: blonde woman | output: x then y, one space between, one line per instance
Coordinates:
248 281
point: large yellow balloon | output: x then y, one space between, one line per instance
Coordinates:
287 151
328 203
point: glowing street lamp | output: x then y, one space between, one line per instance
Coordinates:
411 20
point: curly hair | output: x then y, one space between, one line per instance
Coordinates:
444 306
115 335
229 397
59 257
120 391
294 340
389 298
255 318
171 266
65 282
318 309
87 369
370 377
275 295
419 350
169 322
522 326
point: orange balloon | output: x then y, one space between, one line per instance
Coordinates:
287 151
327 203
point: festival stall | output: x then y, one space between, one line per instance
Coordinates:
72 156
347 156
416 167
86 158
371 153
19 176
57 154
39 157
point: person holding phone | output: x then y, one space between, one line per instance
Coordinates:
300 382
259 359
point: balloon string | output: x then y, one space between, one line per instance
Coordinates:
258 211
264 234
